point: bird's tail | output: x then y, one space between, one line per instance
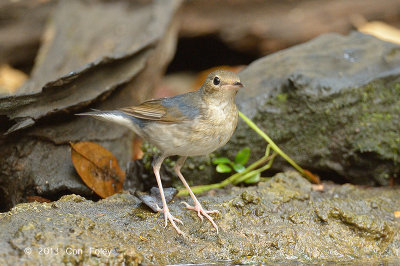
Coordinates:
117 117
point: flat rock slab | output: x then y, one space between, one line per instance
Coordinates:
280 220
88 50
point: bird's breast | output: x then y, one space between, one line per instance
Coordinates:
200 136
215 127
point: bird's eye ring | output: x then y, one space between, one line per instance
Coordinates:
216 81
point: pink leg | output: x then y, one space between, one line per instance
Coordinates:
167 215
197 206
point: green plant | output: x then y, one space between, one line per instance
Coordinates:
305 173
225 165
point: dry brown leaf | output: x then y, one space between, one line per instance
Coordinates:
98 168
10 79
37 198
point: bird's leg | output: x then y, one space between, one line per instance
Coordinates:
167 215
197 206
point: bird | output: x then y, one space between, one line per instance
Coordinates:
190 124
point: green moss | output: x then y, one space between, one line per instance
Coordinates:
364 121
250 198
379 124
282 97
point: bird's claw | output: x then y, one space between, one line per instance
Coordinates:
168 217
202 212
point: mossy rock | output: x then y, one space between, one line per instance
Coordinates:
332 104
282 220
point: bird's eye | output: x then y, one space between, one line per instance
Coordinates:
216 81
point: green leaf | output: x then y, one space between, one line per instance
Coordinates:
221 160
242 156
238 167
253 179
223 168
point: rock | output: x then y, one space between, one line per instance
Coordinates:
153 199
280 220
262 27
331 104
22 26
55 236
36 160
88 51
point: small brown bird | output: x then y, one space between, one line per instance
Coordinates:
190 124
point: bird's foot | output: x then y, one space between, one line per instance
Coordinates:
202 212
168 217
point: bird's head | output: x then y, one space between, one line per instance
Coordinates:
221 83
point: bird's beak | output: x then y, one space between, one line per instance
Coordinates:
238 84
235 86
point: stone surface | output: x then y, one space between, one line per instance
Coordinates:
332 104
22 25
88 51
263 27
279 221
36 161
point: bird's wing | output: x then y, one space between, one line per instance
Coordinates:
157 111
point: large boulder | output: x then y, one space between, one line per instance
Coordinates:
332 104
